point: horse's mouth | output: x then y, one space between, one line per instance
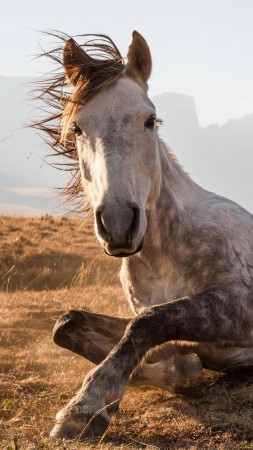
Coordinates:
125 254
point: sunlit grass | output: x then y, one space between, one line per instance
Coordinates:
37 378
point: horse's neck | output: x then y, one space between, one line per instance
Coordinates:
166 215
152 276
177 189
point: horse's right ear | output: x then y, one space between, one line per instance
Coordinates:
76 62
139 59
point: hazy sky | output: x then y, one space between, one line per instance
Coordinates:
203 48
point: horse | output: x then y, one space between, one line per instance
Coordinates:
187 254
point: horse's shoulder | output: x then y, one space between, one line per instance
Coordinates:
218 222
216 210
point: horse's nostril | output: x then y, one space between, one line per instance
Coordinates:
134 225
117 228
101 228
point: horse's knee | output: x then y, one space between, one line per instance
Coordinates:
62 327
66 328
75 332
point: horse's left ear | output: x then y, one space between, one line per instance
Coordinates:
76 62
139 59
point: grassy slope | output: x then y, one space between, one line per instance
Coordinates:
48 266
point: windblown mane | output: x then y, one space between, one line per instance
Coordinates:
61 101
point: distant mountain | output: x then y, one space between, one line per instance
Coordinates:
220 158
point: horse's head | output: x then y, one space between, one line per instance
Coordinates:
117 142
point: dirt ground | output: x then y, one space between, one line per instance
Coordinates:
48 266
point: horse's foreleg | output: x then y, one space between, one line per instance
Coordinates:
171 367
212 317
90 335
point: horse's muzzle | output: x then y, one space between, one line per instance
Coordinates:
118 230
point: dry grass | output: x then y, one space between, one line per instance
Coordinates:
50 253
48 266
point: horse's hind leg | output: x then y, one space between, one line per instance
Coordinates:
225 359
172 367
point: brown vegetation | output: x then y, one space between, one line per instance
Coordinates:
49 253
48 266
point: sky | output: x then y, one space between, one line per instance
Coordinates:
202 48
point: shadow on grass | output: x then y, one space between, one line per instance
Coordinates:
54 270
45 271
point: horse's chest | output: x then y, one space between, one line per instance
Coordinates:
151 295
144 288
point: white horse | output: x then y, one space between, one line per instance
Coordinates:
187 267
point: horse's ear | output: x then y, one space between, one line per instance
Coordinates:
75 61
139 58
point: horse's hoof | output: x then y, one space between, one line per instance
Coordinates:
80 426
184 375
189 374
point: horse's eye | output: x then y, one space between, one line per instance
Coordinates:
150 122
76 129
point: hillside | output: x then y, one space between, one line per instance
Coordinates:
48 266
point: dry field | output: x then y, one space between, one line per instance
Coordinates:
48 266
